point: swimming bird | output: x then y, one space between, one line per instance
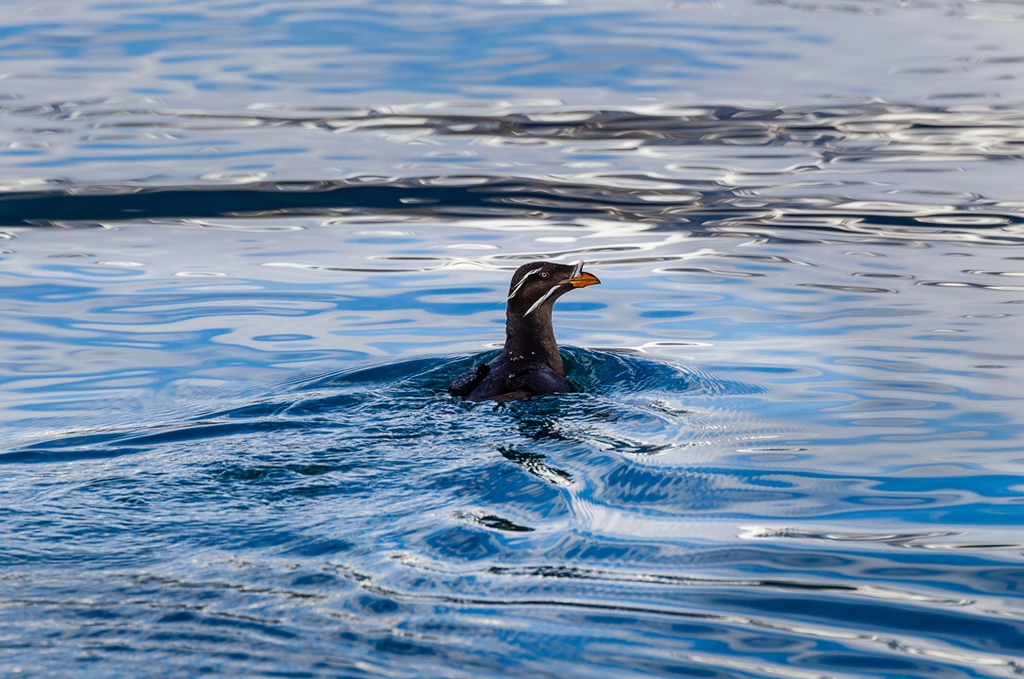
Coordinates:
529 364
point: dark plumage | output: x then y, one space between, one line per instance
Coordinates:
530 364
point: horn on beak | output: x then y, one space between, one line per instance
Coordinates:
580 278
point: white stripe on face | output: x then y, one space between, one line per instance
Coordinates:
542 300
522 280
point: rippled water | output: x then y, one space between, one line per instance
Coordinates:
247 246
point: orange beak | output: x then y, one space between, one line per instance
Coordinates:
581 279
584 279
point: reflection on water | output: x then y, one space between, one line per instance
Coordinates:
800 452
892 172
246 248
386 516
828 167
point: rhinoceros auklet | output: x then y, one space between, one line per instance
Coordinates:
530 364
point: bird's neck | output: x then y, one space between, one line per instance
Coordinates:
532 338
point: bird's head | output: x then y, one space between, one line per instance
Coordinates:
536 286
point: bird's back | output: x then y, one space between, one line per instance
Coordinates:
505 379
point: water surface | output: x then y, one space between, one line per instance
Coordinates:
246 247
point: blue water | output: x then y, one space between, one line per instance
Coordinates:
245 247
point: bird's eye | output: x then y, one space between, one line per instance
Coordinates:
544 274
